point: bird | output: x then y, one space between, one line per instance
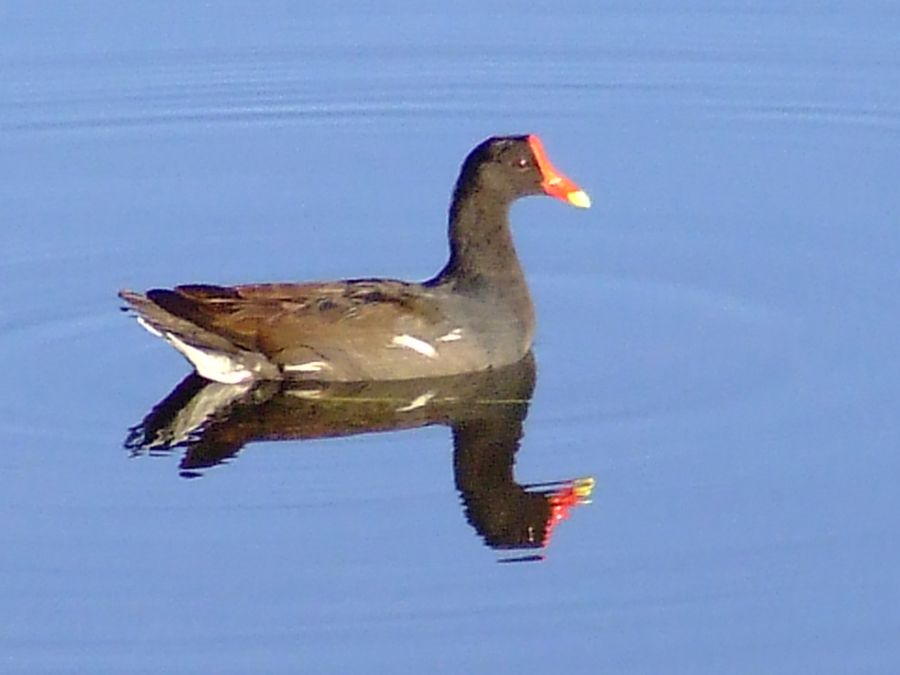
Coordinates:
475 314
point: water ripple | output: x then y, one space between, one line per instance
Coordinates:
338 85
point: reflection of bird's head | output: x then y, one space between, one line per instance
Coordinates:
512 517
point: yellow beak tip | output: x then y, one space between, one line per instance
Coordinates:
579 198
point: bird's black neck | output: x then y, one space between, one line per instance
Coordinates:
482 252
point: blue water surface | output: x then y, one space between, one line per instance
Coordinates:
717 343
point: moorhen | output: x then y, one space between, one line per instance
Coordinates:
474 315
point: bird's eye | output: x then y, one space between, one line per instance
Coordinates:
522 163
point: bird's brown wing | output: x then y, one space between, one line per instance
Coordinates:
290 322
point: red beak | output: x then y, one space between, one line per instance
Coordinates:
555 183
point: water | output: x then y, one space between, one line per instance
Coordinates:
716 343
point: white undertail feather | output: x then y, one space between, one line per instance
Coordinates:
207 402
146 325
415 344
211 365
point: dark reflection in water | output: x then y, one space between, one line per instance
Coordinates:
485 411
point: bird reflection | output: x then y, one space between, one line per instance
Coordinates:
211 422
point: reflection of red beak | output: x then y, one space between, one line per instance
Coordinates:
561 501
556 184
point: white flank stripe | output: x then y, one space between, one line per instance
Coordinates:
415 344
212 366
452 336
418 402
308 367
305 393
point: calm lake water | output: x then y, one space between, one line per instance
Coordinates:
716 357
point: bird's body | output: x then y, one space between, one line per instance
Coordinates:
474 315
